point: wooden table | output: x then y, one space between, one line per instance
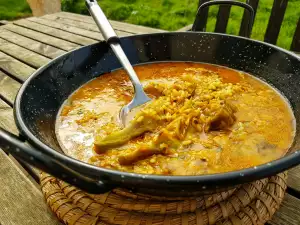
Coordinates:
26 45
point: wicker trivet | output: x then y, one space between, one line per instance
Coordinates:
253 203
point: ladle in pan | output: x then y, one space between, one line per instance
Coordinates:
110 36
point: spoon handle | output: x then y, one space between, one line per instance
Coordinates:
102 22
117 49
112 38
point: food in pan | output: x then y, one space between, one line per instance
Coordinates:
204 119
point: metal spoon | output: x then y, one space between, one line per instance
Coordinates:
110 36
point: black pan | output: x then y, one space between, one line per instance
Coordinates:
41 96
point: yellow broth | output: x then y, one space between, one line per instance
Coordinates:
262 131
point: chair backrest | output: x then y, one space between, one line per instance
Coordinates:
296 39
273 28
223 16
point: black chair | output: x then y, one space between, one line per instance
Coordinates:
223 16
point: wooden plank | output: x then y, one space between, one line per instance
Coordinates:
55 32
75 23
46 39
3 22
201 18
81 24
68 28
275 21
14 67
222 18
29 57
246 17
21 201
130 28
296 40
7 120
3 106
288 213
35 46
22 167
8 88
294 178
8 123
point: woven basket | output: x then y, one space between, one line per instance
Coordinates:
253 203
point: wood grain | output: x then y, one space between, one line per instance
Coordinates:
31 173
294 178
185 28
55 32
68 28
21 202
80 24
8 88
14 67
29 57
43 38
8 123
130 28
288 213
3 105
7 120
35 46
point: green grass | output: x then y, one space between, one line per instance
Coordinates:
171 14
12 9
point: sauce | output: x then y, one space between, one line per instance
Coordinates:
262 129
